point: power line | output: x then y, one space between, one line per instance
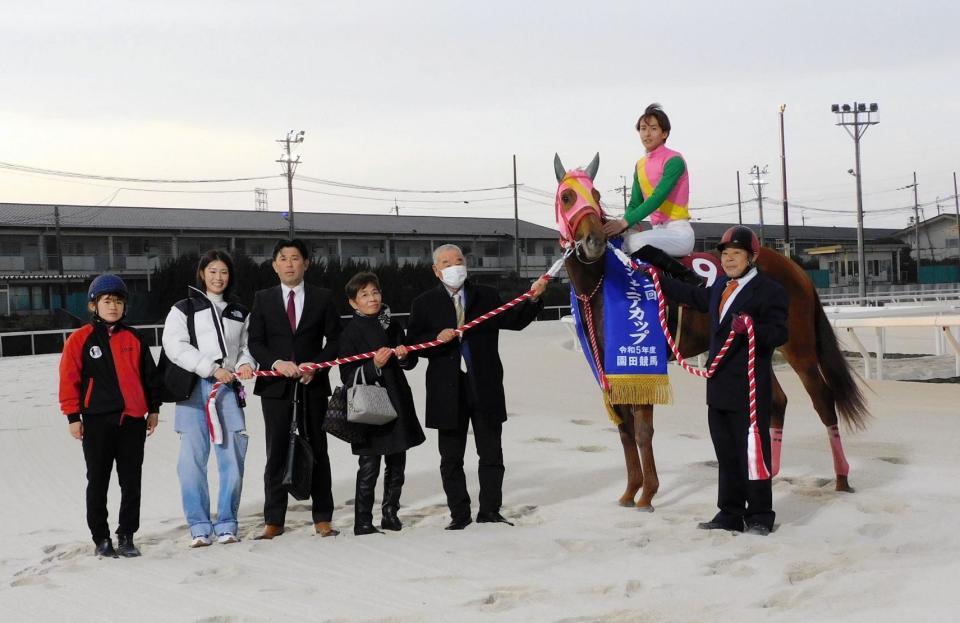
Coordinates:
113 178
317 180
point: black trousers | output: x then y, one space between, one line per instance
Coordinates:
277 414
108 439
453 443
741 501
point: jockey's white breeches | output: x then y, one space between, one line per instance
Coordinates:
673 237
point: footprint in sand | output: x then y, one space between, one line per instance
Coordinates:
616 616
582 422
30 580
602 589
875 530
509 597
592 448
689 436
895 460
211 573
802 571
633 586
543 440
577 545
712 464
415 517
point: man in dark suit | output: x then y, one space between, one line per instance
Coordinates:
465 379
290 324
745 505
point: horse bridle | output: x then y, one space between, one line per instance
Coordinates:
569 219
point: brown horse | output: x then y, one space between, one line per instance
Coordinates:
812 350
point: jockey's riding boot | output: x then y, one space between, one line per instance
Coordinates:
652 255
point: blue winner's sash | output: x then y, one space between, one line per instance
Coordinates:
634 348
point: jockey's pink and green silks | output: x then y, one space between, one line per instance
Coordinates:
661 188
569 217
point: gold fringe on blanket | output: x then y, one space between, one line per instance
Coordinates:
640 389
611 412
636 389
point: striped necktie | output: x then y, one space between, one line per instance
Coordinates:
458 307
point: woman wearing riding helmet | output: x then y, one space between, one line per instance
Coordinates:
660 190
745 504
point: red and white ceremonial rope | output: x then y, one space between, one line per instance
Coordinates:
213 415
755 465
592 334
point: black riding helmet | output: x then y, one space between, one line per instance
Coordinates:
740 237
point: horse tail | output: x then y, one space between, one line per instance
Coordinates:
837 373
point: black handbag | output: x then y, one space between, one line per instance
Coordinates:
335 422
298 468
178 384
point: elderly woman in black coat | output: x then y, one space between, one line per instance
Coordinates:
370 329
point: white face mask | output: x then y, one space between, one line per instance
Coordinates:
453 276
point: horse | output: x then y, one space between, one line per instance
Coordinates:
824 372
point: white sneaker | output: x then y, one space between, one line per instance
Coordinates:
227 538
200 541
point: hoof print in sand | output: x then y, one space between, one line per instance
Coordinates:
509 597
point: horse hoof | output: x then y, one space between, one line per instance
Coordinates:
645 509
625 502
843 485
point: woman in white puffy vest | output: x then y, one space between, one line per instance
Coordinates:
206 334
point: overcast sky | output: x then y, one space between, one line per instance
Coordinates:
439 95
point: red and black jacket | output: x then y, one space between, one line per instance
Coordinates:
108 369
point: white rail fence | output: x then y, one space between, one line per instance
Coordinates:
943 321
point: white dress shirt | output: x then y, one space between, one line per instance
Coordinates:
741 282
297 298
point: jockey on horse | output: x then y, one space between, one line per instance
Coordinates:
660 190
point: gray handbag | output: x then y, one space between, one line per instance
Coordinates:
368 404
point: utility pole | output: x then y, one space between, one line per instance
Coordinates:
623 189
859 127
63 285
516 217
916 219
758 183
739 204
288 162
783 176
396 207
916 222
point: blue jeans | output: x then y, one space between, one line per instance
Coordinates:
191 423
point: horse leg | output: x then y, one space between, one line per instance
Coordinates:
631 457
823 402
778 412
643 420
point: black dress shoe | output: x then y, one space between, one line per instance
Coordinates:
757 529
361 529
105 549
459 524
717 525
494 517
125 546
389 520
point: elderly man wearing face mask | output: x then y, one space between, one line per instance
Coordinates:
465 379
